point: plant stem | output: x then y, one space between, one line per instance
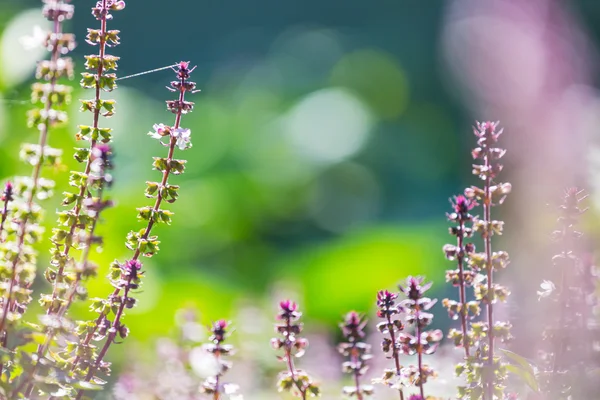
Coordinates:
159 198
84 185
559 340
355 361
43 348
43 138
217 394
290 361
419 348
462 289
137 253
395 352
109 340
487 211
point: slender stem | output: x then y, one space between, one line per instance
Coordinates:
290 361
462 289
355 361
217 394
395 352
90 335
43 138
559 337
487 211
159 199
112 333
116 292
419 348
156 207
84 185
60 311
43 348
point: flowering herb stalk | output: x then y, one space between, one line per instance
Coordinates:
76 226
461 277
423 342
486 372
214 385
357 352
17 268
56 323
295 381
126 277
568 359
392 325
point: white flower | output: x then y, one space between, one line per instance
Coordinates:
479 278
231 390
183 138
203 364
34 41
547 288
160 130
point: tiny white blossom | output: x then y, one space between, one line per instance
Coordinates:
231 390
183 138
35 40
160 130
547 288
479 278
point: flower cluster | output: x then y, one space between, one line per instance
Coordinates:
423 341
461 277
357 352
295 381
19 229
77 225
126 277
568 359
213 385
391 327
484 370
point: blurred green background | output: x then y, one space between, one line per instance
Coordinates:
327 138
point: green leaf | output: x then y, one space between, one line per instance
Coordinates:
112 37
160 163
88 81
69 198
110 62
145 213
109 106
93 36
151 188
82 385
521 367
37 337
81 154
92 62
87 105
105 134
108 82
517 359
527 378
